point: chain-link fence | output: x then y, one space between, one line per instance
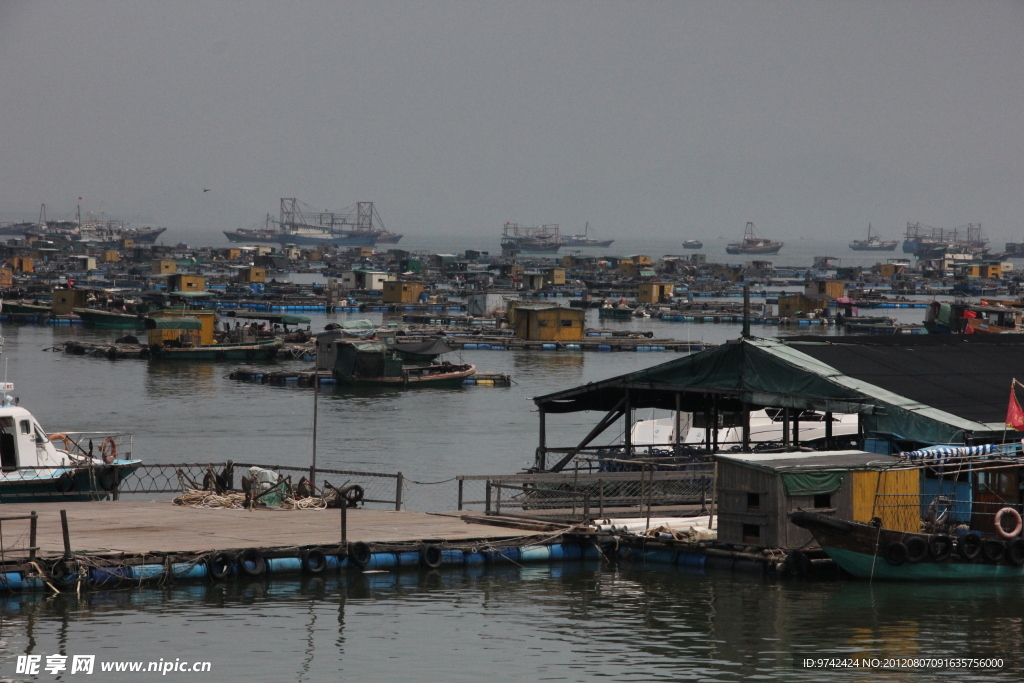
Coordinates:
116 480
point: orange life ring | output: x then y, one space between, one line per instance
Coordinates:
108 450
1018 524
68 443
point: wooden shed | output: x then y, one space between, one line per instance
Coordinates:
540 322
654 292
397 292
756 492
554 276
252 274
66 299
182 282
162 266
203 334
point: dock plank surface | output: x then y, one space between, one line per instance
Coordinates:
142 527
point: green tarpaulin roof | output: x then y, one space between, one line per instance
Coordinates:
765 372
187 323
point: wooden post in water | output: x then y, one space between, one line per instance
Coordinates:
400 482
67 535
344 522
32 536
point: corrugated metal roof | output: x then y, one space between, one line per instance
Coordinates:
822 460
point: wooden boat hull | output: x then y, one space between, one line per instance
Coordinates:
221 352
408 379
108 319
859 550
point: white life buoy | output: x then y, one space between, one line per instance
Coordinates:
1018 524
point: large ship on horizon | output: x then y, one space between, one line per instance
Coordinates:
359 228
925 241
753 243
585 240
873 243
544 239
93 229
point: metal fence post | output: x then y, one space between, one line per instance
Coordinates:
487 498
398 492
460 493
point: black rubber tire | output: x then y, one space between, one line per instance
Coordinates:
359 554
941 547
968 546
314 561
895 553
219 566
797 563
917 549
430 556
65 483
1015 552
109 478
993 549
251 563
353 495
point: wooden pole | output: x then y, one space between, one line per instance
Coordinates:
542 447
316 395
344 522
629 426
66 533
678 424
714 496
32 536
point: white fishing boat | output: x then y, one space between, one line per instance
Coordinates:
36 467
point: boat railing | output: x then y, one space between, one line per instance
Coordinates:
585 494
110 445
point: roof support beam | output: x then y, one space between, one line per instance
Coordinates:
608 420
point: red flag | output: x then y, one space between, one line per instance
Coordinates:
1014 414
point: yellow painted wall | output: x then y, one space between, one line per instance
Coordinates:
396 292
898 498
253 274
66 299
164 266
555 276
552 324
186 283
207 318
111 256
652 292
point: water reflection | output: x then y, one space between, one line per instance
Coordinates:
574 621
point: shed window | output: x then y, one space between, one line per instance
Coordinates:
753 501
542 323
751 533
566 323
823 500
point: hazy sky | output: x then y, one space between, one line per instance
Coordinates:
666 118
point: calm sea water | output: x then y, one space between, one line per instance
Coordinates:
566 622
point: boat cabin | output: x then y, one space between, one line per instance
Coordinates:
24 444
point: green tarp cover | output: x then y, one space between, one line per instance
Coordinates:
358 325
187 323
811 483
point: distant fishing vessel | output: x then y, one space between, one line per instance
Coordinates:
544 239
873 243
92 230
925 241
693 244
296 225
752 243
585 240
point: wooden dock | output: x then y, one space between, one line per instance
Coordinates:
138 528
307 378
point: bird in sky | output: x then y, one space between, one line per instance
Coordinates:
205 189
